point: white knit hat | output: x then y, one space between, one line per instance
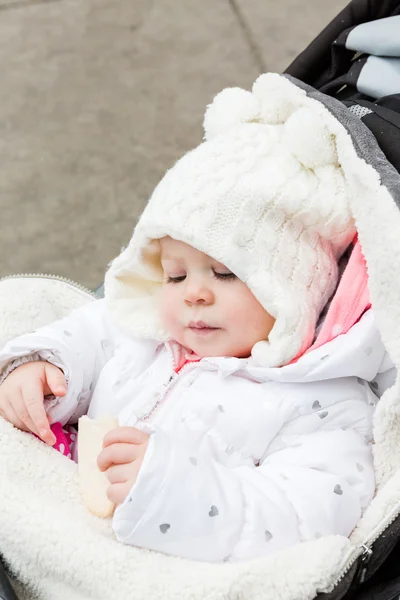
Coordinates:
266 196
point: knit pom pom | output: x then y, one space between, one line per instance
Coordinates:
308 137
230 107
278 97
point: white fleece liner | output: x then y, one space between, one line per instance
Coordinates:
60 551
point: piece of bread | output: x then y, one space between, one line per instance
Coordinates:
93 482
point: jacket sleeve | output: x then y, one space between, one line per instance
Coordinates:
79 344
195 507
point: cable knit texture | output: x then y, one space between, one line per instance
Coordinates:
265 195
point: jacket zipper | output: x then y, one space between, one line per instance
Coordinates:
53 277
364 550
171 383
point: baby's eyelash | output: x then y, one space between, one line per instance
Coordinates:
216 275
226 276
175 279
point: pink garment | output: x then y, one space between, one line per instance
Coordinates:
349 303
181 355
65 437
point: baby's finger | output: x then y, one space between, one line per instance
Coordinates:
117 492
22 414
33 401
55 381
116 454
118 473
125 435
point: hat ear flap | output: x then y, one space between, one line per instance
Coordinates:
229 108
308 137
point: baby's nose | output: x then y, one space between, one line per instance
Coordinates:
198 293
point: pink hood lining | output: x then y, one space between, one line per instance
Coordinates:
349 303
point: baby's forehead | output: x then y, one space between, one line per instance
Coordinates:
170 246
177 251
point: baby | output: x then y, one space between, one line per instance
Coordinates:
239 435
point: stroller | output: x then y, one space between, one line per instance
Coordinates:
356 59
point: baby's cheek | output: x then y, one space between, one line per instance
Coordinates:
247 326
236 314
169 312
237 324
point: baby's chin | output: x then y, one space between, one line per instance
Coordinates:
205 348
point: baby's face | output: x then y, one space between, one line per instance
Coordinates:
207 308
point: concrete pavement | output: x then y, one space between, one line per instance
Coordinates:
99 97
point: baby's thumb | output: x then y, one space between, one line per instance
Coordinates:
55 380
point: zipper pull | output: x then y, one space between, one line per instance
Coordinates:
365 558
165 386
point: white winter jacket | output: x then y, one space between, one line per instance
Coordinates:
243 460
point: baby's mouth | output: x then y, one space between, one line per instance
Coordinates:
201 328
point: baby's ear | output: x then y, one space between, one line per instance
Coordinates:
230 107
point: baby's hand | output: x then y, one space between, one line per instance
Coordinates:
122 457
22 397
